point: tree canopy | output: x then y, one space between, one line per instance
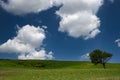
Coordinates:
97 56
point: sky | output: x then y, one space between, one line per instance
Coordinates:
59 29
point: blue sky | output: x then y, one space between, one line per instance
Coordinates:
57 30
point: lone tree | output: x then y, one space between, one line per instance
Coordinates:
97 56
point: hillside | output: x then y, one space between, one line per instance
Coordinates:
56 70
50 64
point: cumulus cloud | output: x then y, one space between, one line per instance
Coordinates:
85 57
19 7
37 55
79 17
26 43
118 42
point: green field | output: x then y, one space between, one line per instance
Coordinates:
56 70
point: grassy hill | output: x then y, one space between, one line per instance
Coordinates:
56 70
49 64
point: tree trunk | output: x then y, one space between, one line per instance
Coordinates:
104 65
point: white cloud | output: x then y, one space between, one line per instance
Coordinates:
28 39
19 7
93 33
118 42
44 27
112 1
37 55
85 57
79 17
73 6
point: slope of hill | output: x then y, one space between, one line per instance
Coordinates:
56 70
49 64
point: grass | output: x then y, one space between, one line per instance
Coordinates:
56 70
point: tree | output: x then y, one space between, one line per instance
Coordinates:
97 56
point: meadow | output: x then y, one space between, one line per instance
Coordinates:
56 70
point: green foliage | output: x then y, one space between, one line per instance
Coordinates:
98 56
95 56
